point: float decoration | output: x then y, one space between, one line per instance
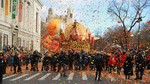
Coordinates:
74 37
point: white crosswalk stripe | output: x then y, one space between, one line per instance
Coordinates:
9 76
19 77
84 76
70 76
32 76
45 76
57 77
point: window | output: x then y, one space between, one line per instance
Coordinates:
70 15
5 40
36 22
2 3
19 41
28 45
31 45
10 5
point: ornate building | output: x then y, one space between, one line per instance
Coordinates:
66 19
20 23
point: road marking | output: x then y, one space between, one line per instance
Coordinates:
70 76
57 77
84 76
19 77
45 76
32 76
9 76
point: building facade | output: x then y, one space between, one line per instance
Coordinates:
20 23
66 19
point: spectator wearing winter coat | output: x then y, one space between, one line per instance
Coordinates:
62 59
139 66
19 62
27 61
16 60
99 64
36 57
128 66
4 71
112 62
123 56
148 63
12 61
2 65
119 63
4 48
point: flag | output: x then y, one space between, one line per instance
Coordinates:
6 7
20 11
14 9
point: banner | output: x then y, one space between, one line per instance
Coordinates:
14 9
6 7
20 11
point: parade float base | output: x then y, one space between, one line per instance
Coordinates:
76 45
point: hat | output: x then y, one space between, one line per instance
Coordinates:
1 53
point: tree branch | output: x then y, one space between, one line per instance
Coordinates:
138 12
126 13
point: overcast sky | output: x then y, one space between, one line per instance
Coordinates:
91 13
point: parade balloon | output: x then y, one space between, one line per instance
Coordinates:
47 39
53 26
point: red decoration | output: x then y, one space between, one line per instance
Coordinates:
89 37
93 42
149 22
140 45
119 21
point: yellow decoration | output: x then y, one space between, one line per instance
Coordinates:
6 7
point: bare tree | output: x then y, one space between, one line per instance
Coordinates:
121 10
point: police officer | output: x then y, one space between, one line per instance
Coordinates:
62 59
139 65
32 61
44 61
36 58
99 64
54 61
2 66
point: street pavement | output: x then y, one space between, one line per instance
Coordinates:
73 77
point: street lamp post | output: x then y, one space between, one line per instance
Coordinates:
139 20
